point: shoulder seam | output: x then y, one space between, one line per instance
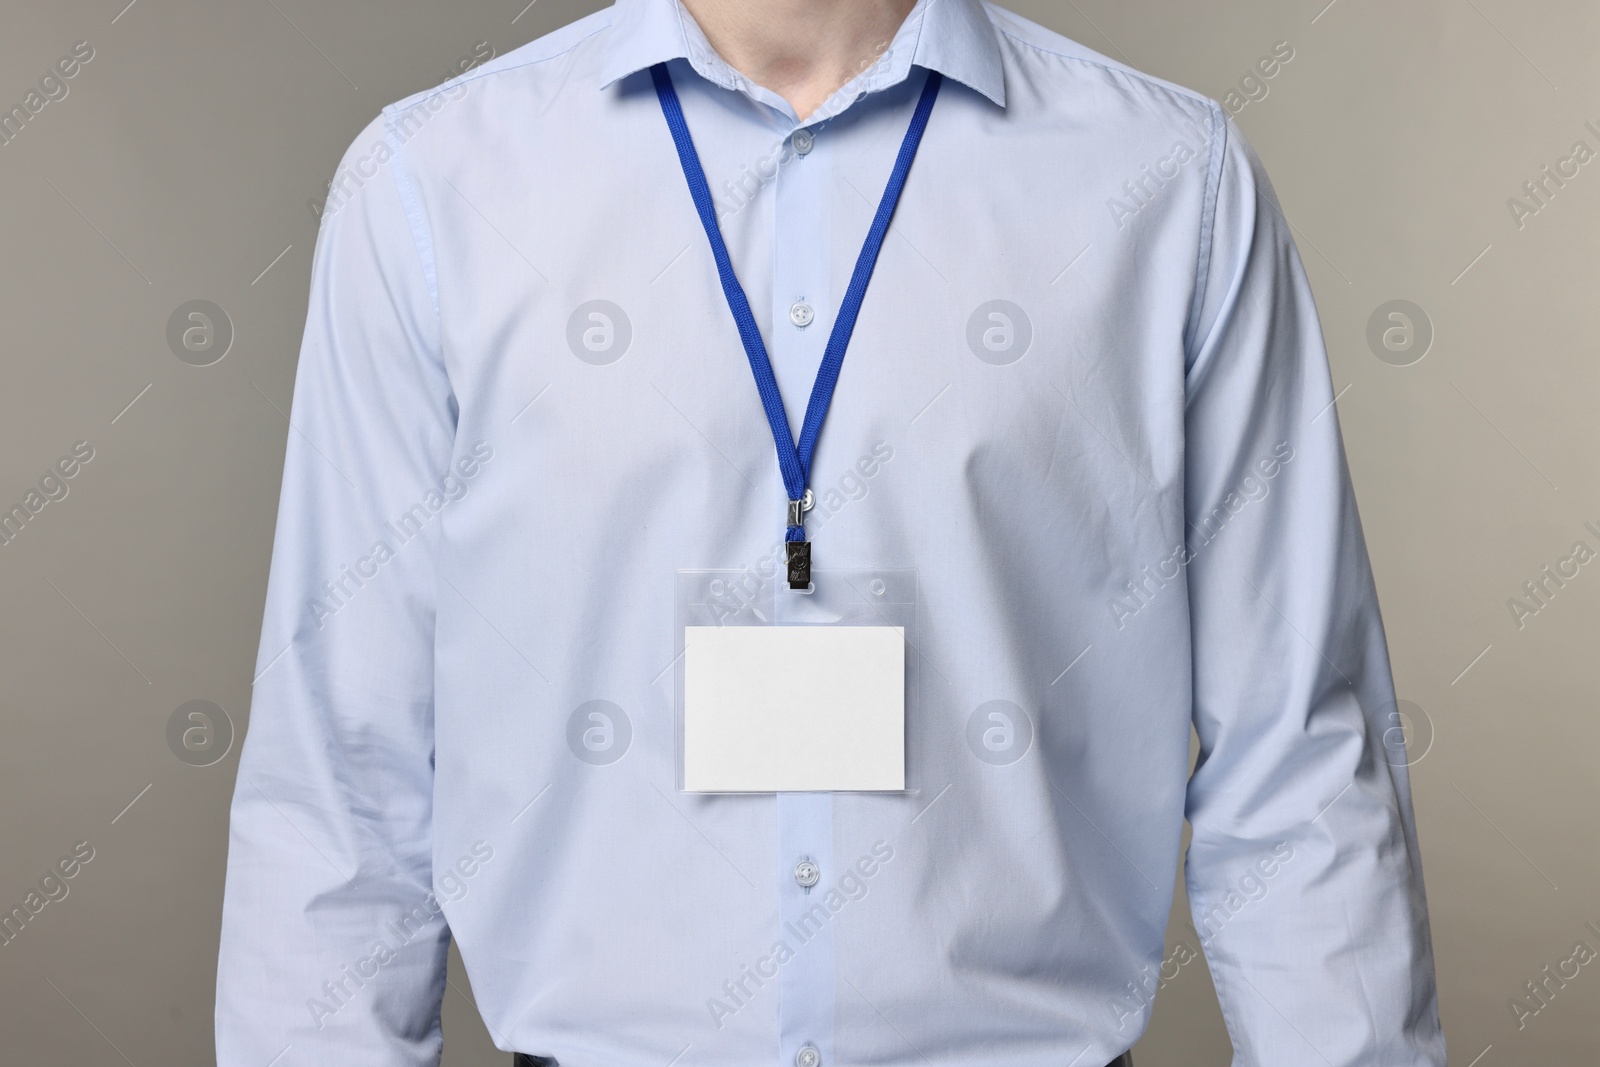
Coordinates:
421 236
1208 216
1128 73
489 70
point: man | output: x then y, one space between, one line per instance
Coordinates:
540 668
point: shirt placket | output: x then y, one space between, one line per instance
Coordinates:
801 315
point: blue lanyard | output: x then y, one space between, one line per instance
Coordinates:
794 461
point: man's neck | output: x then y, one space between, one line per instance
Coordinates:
803 50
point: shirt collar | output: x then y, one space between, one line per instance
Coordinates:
953 37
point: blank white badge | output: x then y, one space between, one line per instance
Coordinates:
771 709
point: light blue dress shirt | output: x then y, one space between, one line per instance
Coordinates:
1087 401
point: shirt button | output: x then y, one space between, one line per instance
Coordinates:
801 314
808 1056
806 873
804 140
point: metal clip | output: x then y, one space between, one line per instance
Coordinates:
798 508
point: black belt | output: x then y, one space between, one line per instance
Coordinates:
525 1060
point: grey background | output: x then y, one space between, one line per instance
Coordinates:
180 166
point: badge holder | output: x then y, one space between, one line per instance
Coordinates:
781 690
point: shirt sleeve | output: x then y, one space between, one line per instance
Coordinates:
332 944
1303 873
